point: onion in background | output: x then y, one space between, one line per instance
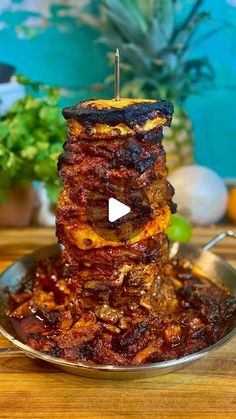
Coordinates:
200 194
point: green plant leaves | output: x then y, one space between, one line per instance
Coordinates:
162 24
3 129
125 15
49 114
31 136
156 38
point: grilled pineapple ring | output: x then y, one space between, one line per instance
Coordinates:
110 118
85 237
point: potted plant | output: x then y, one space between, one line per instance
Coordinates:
31 135
156 38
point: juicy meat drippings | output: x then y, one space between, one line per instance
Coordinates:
141 321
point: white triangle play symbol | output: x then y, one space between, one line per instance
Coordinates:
116 210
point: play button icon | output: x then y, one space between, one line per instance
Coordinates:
117 216
116 210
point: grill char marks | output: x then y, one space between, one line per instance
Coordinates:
131 115
130 168
130 154
111 326
114 169
127 163
117 302
133 156
145 251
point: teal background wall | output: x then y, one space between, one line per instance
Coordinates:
44 41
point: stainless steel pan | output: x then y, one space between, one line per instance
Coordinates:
212 266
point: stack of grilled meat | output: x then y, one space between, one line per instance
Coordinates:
113 296
114 150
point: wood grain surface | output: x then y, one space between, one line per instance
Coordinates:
32 389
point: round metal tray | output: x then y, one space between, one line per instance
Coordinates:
210 265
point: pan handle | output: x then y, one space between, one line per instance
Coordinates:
218 238
11 351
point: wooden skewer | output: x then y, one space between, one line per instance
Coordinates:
117 75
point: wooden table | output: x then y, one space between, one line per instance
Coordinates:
31 389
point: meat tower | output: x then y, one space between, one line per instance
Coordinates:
114 150
112 296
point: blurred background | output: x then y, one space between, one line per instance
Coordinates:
56 52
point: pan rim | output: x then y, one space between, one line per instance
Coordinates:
32 353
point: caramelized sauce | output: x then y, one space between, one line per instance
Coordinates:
175 314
